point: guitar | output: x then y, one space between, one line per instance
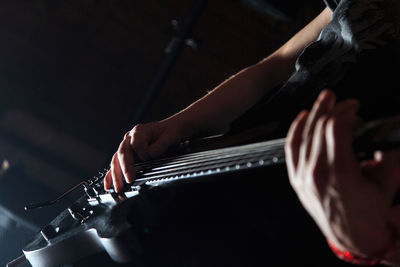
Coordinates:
97 220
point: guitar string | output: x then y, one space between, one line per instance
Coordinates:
189 163
212 154
214 168
225 160
216 159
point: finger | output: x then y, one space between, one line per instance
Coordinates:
343 123
318 158
322 106
126 159
339 138
108 180
293 142
319 164
139 141
116 173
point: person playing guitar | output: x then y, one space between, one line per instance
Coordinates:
216 110
344 48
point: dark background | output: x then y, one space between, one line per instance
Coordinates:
73 74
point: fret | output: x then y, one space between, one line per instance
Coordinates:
248 161
216 161
208 171
214 154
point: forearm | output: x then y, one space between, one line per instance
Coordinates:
230 99
226 102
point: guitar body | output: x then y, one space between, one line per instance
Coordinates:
66 239
165 224
168 225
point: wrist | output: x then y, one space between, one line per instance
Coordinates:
182 124
367 240
385 254
192 121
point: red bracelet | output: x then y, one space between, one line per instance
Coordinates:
385 254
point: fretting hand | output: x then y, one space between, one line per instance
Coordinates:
143 142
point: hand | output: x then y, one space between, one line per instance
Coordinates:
143 142
349 200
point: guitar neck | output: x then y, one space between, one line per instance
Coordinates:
217 161
375 135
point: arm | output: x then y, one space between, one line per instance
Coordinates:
216 109
349 200
243 90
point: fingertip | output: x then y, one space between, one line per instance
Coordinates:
326 93
301 118
126 161
130 175
107 184
118 188
294 138
298 124
324 104
118 185
302 114
329 97
116 174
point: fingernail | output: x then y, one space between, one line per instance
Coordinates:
129 180
325 93
322 95
302 114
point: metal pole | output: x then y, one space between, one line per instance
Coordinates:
173 50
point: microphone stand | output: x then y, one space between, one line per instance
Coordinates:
184 29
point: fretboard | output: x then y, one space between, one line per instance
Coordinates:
217 161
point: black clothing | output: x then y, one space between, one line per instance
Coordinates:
332 4
356 55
